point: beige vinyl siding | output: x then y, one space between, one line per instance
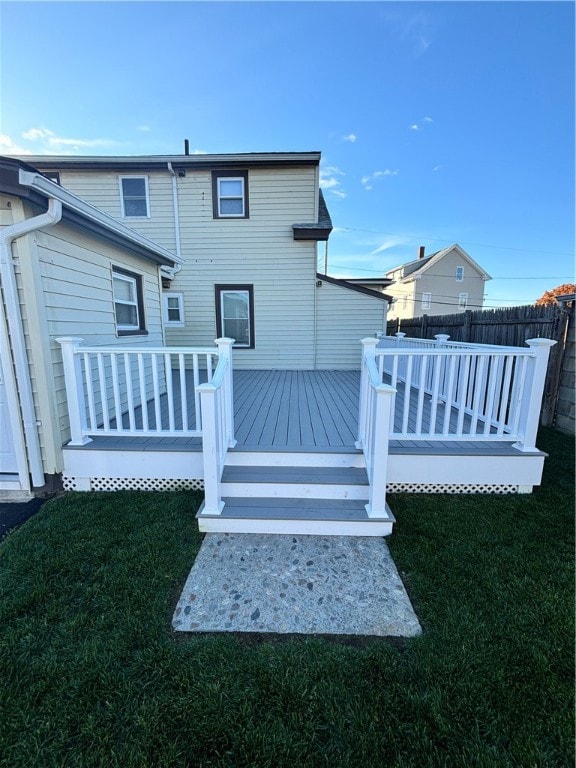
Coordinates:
65 279
405 305
258 251
344 317
102 189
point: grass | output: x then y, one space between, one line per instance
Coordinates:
92 676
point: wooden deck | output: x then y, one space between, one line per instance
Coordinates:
282 410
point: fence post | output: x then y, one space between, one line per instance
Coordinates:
368 350
467 325
533 393
74 389
213 503
376 506
225 350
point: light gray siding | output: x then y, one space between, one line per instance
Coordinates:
344 317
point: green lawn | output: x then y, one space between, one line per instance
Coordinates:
90 674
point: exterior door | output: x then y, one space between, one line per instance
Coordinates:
8 462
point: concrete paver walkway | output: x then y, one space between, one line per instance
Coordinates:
295 584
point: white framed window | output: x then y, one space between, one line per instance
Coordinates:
230 194
462 300
134 197
235 314
426 300
173 309
459 274
128 302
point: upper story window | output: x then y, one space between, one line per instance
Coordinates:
134 197
235 314
173 309
459 274
462 300
230 194
426 300
128 302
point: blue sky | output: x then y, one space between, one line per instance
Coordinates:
438 122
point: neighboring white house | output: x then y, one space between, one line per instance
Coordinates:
446 282
67 269
247 228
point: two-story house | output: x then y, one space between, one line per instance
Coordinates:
446 282
247 228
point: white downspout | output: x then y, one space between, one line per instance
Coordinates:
176 210
10 290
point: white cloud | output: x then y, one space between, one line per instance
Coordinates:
144 128
351 137
437 167
421 123
367 181
9 147
48 141
390 242
329 180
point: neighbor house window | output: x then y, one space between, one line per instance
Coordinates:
235 314
426 300
230 194
134 197
128 302
173 309
462 300
459 274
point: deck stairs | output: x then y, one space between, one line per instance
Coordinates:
295 492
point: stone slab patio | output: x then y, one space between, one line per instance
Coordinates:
271 583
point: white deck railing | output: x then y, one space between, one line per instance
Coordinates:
457 391
374 424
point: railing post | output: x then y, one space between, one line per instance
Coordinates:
376 506
533 393
74 389
213 503
368 350
441 338
225 350
399 336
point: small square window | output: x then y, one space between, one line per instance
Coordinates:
426 300
459 274
128 302
134 197
235 314
230 194
173 309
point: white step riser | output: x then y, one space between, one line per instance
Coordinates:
261 459
302 527
295 491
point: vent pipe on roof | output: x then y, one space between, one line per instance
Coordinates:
421 251
186 147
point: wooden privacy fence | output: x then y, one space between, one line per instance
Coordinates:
508 327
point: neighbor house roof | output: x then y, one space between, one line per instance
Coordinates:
411 270
26 182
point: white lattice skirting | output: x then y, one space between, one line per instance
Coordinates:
176 484
132 484
449 488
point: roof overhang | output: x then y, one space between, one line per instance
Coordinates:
24 181
351 287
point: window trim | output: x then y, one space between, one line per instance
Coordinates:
217 177
140 328
218 291
147 190
460 274
462 301
180 298
426 300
